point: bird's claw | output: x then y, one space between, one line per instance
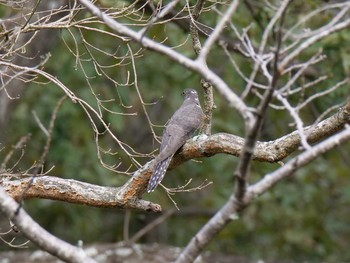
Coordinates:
200 137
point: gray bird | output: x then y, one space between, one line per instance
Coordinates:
181 126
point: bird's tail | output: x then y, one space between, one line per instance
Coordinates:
158 174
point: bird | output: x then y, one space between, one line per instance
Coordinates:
180 127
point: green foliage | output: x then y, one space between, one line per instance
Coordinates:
303 218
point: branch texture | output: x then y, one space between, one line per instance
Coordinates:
40 236
73 191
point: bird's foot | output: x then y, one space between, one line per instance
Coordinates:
200 137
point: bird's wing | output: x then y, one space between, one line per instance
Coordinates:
173 138
181 126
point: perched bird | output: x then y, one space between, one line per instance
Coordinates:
181 126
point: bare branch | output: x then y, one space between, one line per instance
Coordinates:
217 31
19 145
205 72
73 191
278 77
40 236
299 123
293 165
232 207
259 59
207 87
312 40
242 171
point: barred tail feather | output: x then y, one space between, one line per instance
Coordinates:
158 174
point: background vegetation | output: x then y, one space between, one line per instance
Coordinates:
304 218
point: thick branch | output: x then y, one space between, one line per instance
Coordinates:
40 236
128 196
73 191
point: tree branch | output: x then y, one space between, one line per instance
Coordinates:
182 21
73 191
40 236
217 31
293 165
232 207
129 195
312 40
233 100
207 87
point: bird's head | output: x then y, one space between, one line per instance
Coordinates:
190 94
